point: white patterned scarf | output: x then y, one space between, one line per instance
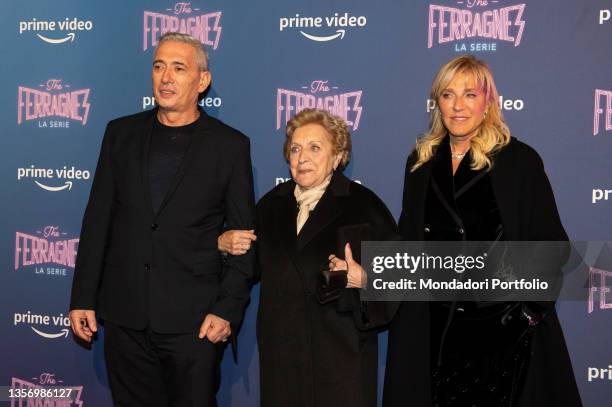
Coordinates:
307 199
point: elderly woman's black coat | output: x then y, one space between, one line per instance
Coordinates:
528 212
315 355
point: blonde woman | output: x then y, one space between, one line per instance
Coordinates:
468 179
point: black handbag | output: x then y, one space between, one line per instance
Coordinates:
331 284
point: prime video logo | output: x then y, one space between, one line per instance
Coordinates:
149 101
51 27
40 176
600 195
41 324
597 373
308 25
280 180
504 104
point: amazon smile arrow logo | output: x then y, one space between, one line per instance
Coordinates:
68 185
38 322
339 33
70 37
63 332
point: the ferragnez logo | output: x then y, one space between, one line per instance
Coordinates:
41 324
308 26
602 111
600 282
149 101
605 15
475 19
53 99
49 251
319 94
44 390
42 176
184 18
55 31
504 104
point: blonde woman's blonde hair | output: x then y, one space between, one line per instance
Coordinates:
334 125
493 133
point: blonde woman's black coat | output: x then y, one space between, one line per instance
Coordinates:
528 213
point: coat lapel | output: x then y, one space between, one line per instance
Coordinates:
443 181
504 181
286 220
412 221
465 178
145 145
326 211
450 188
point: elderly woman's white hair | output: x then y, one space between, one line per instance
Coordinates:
334 125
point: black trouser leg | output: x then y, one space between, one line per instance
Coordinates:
191 369
134 368
146 368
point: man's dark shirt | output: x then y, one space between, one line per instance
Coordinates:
168 147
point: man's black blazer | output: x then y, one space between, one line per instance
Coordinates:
137 268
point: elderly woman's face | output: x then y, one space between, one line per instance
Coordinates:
311 155
463 105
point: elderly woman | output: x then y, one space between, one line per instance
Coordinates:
468 179
314 353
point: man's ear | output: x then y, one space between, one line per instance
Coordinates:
205 78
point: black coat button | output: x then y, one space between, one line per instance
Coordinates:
154 226
147 267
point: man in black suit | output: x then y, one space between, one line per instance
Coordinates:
167 181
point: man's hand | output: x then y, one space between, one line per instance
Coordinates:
83 323
236 242
356 276
215 329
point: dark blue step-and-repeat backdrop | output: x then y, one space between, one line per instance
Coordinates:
68 67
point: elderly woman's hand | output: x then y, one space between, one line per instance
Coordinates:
236 242
356 276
